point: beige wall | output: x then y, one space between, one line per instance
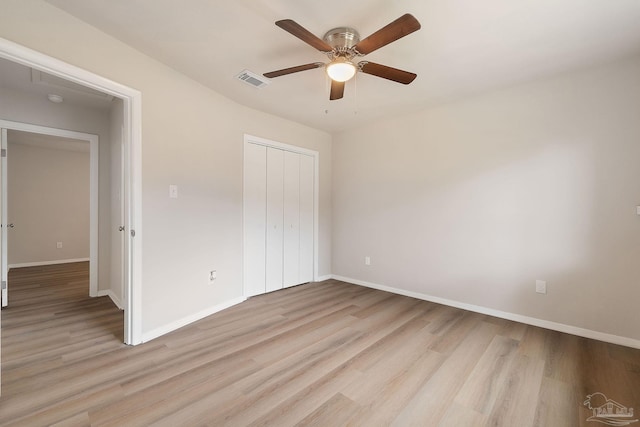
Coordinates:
48 202
26 108
191 137
474 201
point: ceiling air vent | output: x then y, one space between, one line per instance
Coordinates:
252 79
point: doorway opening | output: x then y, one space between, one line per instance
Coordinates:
131 166
36 209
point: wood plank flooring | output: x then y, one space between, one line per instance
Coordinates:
321 354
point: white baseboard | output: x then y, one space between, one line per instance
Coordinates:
560 327
38 263
109 293
323 278
155 333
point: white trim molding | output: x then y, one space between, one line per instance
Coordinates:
94 174
560 327
162 330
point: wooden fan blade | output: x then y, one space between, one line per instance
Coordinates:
303 34
337 90
399 28
292 70
388 73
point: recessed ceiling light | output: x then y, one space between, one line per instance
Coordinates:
55 98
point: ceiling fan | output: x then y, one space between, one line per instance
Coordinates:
343 44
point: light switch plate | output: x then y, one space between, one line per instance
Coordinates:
541 286
173 191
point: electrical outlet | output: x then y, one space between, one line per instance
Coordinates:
367 260
59 245
213 275
541 286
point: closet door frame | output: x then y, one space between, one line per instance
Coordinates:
251 139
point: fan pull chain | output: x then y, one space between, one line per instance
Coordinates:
355 94
327 89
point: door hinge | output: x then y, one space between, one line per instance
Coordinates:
4 284
3 152
133 233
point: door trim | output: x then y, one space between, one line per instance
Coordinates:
4 230
93 186
132 101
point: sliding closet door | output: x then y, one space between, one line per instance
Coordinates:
307 186
275 218
255 219
291 246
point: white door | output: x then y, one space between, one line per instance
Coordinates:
3 143
254 220
122 268
279 214
5 226
307 187
118 232
275 219
291 232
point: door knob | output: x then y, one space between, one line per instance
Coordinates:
10 225
121 228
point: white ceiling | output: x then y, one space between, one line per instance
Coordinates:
23 79
465 47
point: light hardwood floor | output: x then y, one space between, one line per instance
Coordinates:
323 354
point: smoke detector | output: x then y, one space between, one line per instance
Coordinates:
56 99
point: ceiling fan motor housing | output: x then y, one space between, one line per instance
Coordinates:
342 39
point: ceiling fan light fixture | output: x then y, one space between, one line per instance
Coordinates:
341 70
